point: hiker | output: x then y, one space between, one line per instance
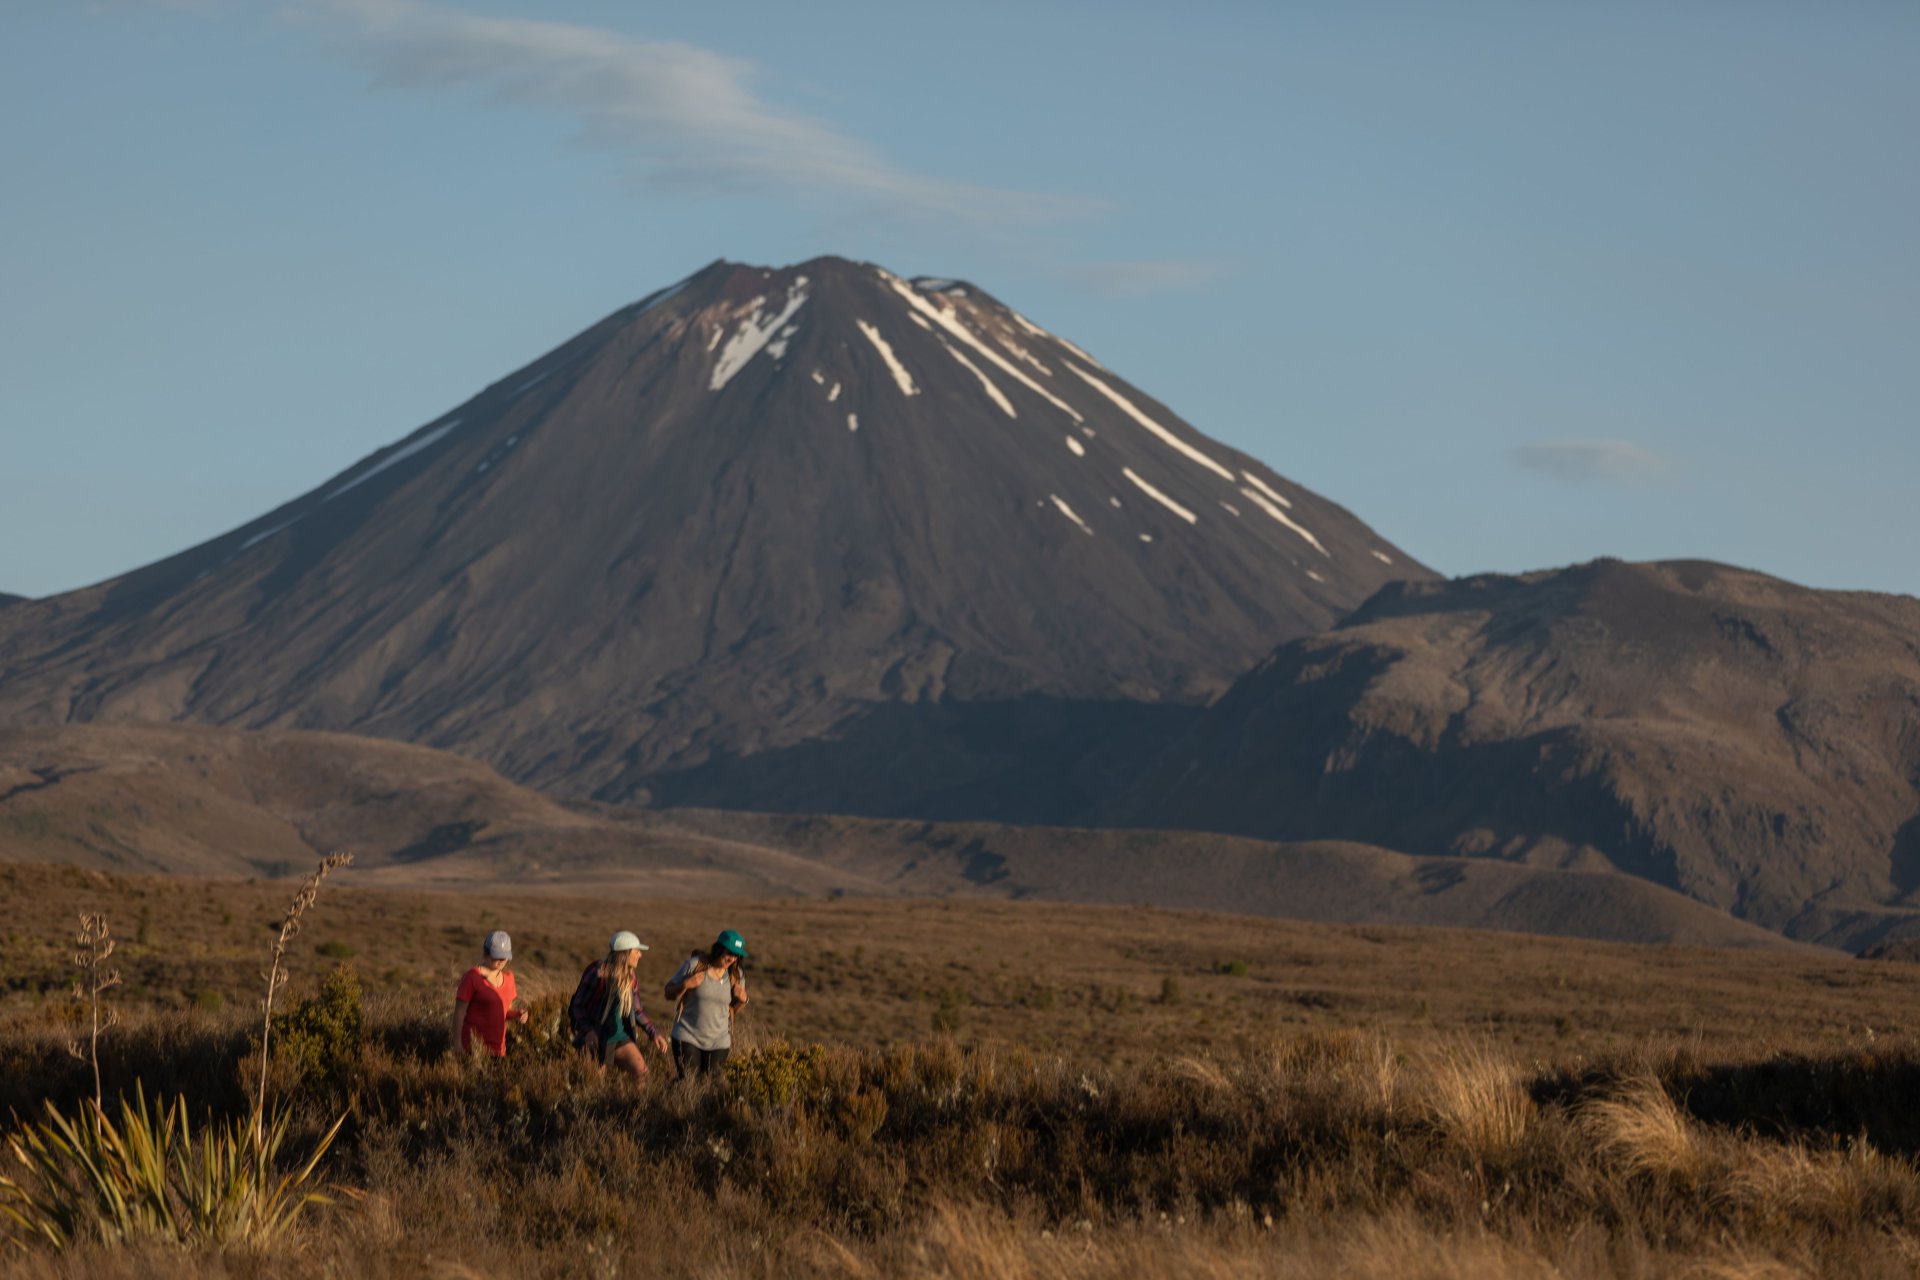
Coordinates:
706 990
606 1014
483 1006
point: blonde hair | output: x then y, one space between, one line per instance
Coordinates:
618 982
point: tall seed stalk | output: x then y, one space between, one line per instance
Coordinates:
93 944
276 976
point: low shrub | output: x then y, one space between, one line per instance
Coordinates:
318 1041
778 1074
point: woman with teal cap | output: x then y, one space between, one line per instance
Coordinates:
706 990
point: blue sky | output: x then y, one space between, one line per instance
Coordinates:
1521 284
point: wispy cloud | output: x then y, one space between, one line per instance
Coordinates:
108 6
1615 462
685 117
1146 275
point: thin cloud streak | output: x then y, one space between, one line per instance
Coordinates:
687 117
1146 275
1587 462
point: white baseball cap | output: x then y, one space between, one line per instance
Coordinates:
499 946
626 941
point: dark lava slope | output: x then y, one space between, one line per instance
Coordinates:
819 538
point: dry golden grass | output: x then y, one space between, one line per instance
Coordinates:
1639 1129
1479 1099
1387 1127
1132 985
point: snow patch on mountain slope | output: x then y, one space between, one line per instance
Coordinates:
901 377
1159 497
1077 351
1067 511
1079 450
778 347
940 317
1259 500
398 456
1022 353
1127 407
262 537
1264 487
999 398
754 334
1038 332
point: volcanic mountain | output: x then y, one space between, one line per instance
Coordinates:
819 538
1750 743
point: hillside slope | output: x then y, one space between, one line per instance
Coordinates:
201 801
180 799
1752 744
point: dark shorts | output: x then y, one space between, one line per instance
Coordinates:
691 1061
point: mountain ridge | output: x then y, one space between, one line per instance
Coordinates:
1745 741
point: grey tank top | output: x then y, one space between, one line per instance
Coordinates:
705 1020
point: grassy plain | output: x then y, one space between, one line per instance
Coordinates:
1009 1088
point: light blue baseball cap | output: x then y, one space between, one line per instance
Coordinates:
498 945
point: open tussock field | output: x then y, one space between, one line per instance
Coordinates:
1002 1089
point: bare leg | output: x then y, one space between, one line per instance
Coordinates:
628 1059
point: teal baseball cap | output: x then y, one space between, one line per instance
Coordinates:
730 940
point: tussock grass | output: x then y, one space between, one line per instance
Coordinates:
1303 1156
1638 1128
1479 1100
1239 1131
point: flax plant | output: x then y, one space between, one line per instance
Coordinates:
93 944
276 975
149 1171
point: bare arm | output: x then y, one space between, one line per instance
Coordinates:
678 986
739 988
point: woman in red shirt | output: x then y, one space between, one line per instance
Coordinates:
484 1004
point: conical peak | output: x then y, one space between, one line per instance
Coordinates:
726 278
755 505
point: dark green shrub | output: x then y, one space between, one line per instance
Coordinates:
318 1040
778 1074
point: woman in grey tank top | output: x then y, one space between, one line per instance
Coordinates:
706 989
